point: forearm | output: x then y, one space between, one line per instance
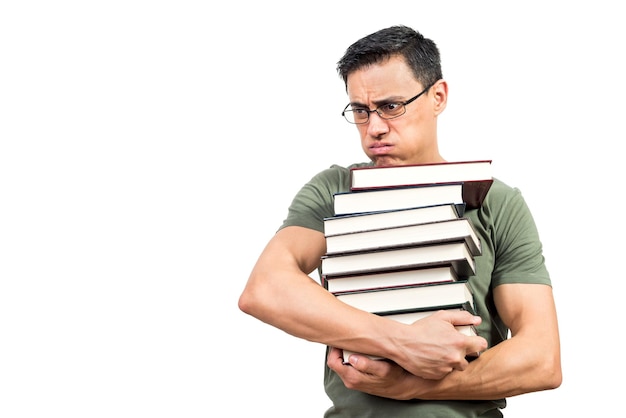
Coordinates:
481 380
516 366
296 304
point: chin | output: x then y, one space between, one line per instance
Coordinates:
385 161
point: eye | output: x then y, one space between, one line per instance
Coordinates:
359 111
391 108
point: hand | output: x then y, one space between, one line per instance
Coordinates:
431 347
376 377
434 347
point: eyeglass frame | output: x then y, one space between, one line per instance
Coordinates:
380 113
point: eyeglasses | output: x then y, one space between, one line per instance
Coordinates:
360 115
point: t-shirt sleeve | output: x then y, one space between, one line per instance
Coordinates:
518 250
314 201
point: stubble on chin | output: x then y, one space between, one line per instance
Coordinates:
385 161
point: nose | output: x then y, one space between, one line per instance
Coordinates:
377 126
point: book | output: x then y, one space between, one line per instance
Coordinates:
378 280
412 316
456 254
393 251
476 177
366 177
452 230
397 198
410 298
389 218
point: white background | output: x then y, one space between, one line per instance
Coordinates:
150 149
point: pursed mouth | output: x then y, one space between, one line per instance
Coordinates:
380 145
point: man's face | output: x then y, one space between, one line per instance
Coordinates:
407 139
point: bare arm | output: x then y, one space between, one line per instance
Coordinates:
280 293
527 362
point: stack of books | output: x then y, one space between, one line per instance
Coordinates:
399 245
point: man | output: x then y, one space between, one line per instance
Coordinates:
395 87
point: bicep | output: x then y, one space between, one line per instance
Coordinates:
294 247
527 309
530 313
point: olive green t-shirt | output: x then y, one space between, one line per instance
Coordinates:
511 253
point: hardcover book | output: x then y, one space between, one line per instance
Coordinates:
374 200
412 316
389 218
456 254
453 230
395 278
410 298
476 177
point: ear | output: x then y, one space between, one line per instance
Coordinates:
439 96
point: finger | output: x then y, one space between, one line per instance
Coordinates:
461 318
334 352
460 366
335 358
367 365
476 345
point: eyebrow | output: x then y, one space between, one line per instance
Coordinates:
378 103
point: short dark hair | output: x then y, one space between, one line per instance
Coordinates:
421 54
